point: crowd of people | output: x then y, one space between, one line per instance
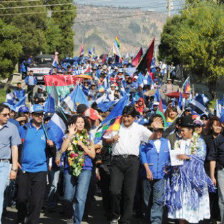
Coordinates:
159 158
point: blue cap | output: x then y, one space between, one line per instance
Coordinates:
23 109
120 70
37 108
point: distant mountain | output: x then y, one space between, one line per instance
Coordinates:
98 26
155 5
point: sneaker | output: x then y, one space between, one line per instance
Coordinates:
70 221
114 221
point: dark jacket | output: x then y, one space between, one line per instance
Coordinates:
216 151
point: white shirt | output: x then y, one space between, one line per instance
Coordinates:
157 144
130 139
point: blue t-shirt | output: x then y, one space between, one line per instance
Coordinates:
33 157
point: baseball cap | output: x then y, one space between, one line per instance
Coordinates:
92 114
23 109
36 108
198 123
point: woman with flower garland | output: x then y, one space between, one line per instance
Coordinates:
80 152
187 185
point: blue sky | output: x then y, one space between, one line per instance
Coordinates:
153 5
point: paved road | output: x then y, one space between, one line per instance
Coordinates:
95 216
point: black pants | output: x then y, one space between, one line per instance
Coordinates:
104 186
124 174
31 190
30 93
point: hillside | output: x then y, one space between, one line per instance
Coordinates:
97 26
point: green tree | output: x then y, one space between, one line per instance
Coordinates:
53 37
195 39
10 48
30 18
64 16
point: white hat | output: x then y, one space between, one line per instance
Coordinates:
155 103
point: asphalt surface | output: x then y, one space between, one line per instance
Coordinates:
95 215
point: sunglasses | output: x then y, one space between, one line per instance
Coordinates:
38 114
5 115
204 119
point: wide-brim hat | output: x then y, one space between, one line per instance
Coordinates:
187 121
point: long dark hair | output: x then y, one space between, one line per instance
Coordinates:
73 119
210 124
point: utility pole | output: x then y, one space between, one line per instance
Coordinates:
169 7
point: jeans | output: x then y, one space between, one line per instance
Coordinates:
154 189
220 176
76 189
53 183
124 174
4 181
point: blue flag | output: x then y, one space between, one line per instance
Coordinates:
117 110
89 51
180 101
75 98
21 102
49 106
140 78
57 128
105 106
157 96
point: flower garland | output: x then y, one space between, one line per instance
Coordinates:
76 155
194 144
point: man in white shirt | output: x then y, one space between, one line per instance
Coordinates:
125 162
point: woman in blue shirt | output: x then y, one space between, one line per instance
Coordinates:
80 152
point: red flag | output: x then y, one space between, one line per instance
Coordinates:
152 76
137 58
82 50
146 61
160 105
104 59
87 70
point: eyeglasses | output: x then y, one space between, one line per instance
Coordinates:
5 115
38 114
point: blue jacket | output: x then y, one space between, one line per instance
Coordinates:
156 161
30 80
19 93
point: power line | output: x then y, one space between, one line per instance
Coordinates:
115 13
29 13
122 6
159 5
35 6
20 1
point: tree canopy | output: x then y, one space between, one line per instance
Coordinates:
36 26
10 48
195 38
